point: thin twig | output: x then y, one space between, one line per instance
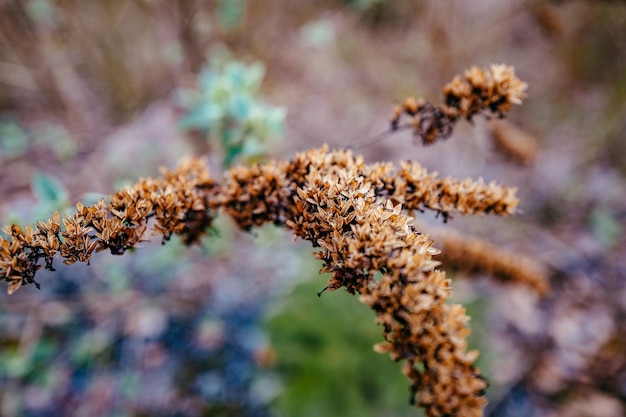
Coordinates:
370 140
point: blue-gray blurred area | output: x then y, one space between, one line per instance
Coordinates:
162 331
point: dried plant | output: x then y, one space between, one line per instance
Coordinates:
472 256
492 90
514 143
351 211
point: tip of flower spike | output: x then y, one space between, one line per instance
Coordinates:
14 286
480 90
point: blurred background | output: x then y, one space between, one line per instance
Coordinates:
94 95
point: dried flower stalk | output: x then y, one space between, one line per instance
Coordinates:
473 255
513 142
350 210
330 198
492 90
177 202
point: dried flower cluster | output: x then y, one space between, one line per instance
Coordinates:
349 209
177 203
494 90
370 247
473 256
353 212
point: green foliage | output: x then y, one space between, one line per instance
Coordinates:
50 196
14 141
48 189
50 193
230 13
43 12
324 349
57 138
30 364
364 4
227 111
605 227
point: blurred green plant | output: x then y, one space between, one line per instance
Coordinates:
56 138
227 111
364 4
43 12
50 193
50 196
16 140
326 360
230 13
606 228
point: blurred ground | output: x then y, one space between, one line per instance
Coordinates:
88 95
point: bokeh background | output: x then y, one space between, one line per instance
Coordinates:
94 95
